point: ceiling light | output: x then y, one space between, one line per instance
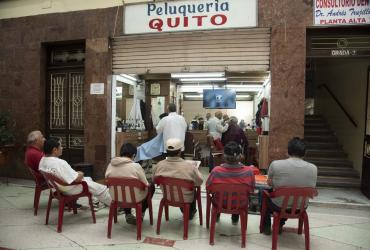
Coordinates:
194 96
203 79
197 75
243 96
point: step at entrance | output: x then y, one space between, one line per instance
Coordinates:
323 150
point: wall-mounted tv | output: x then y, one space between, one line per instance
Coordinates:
219 99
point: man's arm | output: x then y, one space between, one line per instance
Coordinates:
160 126
270 174
80 176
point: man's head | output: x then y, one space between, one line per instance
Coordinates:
233 120
232 152
36 139
225 117
53 147
128 150
296 147
218 114
171 107
173 146
208 115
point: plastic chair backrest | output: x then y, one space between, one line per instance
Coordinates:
120 184
231 196
39 178
54 182
299 195
174 187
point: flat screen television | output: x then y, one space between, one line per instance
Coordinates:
219 99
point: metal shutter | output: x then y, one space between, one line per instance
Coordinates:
216 50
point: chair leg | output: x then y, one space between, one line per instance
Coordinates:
139 221
186 220
60 215
115 212
275 232
92 209
208 210
166 213
48 208
199 201
110 218
306 231
36 200
243 225
262 213
300 224
213 225
150 207
160 211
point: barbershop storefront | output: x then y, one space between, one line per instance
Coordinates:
151 40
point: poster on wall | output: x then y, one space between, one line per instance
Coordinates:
341 12
170 16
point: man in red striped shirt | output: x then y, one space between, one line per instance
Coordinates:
232 171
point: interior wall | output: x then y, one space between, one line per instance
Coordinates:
244 110
347 79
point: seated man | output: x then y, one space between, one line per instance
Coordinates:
176 167
50 163
124 166
291 172
34 153
232 171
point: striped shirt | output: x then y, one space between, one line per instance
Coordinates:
233 174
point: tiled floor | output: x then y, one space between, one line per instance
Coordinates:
330 228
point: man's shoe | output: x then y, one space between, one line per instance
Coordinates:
235 220
192 213
267 231
130 219
280 228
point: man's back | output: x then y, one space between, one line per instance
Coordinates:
32 157
292 172
172 126
233 174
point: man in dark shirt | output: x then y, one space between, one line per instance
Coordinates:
234 133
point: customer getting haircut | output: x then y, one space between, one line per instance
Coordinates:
128 150
50 144
296 147
172 107
232 152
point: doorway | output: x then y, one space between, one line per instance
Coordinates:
65 99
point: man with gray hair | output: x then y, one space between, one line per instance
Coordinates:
34 153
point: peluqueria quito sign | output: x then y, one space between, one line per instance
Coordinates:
156 17
341 12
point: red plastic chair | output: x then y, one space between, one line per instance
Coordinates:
69 200
229 199
300 196
119 186
41 185
172 186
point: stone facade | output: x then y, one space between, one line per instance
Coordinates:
22 70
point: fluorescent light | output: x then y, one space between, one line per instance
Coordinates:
243 96
129 77
194 96
203 79
197 75
244 86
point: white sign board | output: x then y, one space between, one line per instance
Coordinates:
156 17
341 12
97 89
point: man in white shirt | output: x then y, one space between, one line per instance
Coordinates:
50 163
216 129
172 126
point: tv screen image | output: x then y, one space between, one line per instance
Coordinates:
219 98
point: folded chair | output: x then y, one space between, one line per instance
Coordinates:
120 185
41 185
299 196
69 200
229 199
173 187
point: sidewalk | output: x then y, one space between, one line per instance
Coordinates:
330 228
